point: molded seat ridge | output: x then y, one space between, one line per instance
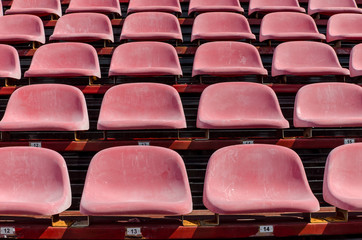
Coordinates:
153 106
221 26
34 181
151 26
113 184
257 178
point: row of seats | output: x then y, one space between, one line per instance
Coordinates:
234 105
159 26
47 7
149 59
134 180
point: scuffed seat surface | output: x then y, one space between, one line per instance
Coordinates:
305 58
21 28
355 61
170 6
35 7
286 26
145 59
239 105
216 26
215 6
257 178
9 62
97 6
153 106
342 177
83 27
330 7
267 6
133 180
328 105
227 58
33 181
64 60
46 107
343 27
157 26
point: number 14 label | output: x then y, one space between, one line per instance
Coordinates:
266 229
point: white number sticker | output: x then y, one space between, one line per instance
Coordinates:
348 140
133 232
248 142
144 143
35 144
266 229
7 230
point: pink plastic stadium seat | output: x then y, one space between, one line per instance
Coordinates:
330 7
153 106
170 6
145 59
9 62
306 58
157 26
46 107
286 26
64 60
215 6
1 9
343 27
83 27
33 181
36 7
257 178
136 180
235 105
267 6
216 26
328 105
355 61
21 28
104 6
342 177
227 58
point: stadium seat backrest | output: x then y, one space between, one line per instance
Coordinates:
46 107
33 181
239 105
136 180
83 27
257 178
152 106
221 26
